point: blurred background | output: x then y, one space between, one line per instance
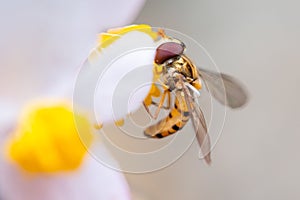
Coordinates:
256 41
257 155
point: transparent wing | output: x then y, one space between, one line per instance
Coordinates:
198 121
233 95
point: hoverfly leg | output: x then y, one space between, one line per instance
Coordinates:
159 105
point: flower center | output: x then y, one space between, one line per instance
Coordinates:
46 139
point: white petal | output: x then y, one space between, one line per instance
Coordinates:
117 79
92 181
8 114
42 43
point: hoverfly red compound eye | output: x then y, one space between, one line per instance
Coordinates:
168 50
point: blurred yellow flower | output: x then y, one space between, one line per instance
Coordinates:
46 139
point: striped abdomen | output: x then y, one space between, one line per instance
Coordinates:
175 121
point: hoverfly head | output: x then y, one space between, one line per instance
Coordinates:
167 51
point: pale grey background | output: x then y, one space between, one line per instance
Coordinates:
257 156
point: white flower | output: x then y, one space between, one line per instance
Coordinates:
118 74
42 43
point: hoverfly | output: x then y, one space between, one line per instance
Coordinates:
179 75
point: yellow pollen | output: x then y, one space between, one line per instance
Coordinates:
98 126
46 139
120 122
106 39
